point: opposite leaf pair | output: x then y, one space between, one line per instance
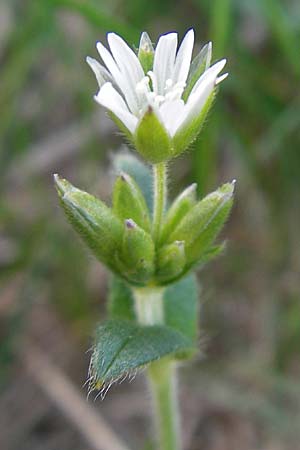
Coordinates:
122 236
123 347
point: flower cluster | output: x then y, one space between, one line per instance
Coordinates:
121 238
158 97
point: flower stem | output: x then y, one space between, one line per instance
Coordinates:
160 194
161 373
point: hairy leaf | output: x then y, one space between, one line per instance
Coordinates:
122 347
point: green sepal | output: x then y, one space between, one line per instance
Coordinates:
122 347
170 261
198 66
98 226
146 52
127 162
137 253
203 222
151 139
178 209
128 201
122 127
186 134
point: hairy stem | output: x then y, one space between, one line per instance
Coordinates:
163 383
160 194
161 373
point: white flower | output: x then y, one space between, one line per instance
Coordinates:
175 90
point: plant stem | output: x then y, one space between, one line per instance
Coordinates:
160 194
149 305
163 383
161 373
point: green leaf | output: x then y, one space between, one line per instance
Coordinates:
126 162
181 301
181 306
120 300
122 347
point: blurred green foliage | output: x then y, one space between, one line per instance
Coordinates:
252 134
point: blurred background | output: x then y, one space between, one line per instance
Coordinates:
244 391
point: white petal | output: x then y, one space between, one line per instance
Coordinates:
212 72
112 100
221 78
196 102
130 67
170 113
102 75
125 57
110 63
183 58
164 58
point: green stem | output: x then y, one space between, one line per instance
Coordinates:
160 194
163 383
161 373
149 305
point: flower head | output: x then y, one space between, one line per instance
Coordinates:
158 97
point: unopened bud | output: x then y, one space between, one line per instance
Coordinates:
179 208
170 261
137 253
128 201
98 226
203 222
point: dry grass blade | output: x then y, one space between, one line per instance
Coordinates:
65 396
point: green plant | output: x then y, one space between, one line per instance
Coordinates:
159 99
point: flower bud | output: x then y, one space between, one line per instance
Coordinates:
137 253
98 226
151 138
170 261
128 201
179 208
201 225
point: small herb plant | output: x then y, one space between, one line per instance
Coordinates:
159 99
